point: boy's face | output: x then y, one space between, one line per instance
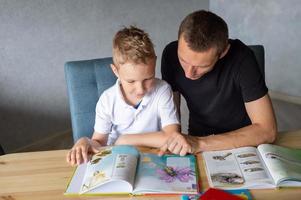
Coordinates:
136 79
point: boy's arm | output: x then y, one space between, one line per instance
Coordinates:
151 139
100 138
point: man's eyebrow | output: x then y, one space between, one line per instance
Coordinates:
195 66
181 58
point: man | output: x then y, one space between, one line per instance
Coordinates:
226 95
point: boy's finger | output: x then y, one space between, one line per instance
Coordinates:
85 154
78 156
72 157
68 157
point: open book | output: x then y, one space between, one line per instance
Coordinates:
124 170
267 166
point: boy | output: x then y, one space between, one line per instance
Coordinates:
137 103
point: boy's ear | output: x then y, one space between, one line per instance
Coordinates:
114 69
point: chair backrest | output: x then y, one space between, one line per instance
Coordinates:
86 80
259 54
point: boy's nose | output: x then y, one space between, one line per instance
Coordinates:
140 89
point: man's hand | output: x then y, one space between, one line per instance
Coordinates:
177 143
194 142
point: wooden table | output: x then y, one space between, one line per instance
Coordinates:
44 175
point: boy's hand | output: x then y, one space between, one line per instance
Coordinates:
178 144
79 152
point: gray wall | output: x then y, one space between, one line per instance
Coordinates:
277 25
38 36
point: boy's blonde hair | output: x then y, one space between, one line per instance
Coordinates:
132 44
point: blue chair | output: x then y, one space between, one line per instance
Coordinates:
86 80
258 50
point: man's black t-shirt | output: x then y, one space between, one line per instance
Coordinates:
216 100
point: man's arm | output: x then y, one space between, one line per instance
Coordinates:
262 130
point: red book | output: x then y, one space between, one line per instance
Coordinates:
216 194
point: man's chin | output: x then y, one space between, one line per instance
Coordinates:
194 78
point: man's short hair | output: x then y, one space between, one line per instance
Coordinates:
132 44
203 30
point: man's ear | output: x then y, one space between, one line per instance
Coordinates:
225 51
115 70
156 59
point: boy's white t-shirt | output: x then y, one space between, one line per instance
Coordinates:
115 117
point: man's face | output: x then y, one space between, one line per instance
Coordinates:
196 64
136 79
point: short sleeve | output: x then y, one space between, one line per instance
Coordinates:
166 107
103 123
166 66
250 79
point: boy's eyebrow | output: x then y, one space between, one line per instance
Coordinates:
153 76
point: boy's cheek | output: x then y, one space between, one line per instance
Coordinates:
151 85
128 88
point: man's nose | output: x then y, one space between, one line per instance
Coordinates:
189 72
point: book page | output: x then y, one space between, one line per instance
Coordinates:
124 167
112 163
284 164
236 168
169 174
75 183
